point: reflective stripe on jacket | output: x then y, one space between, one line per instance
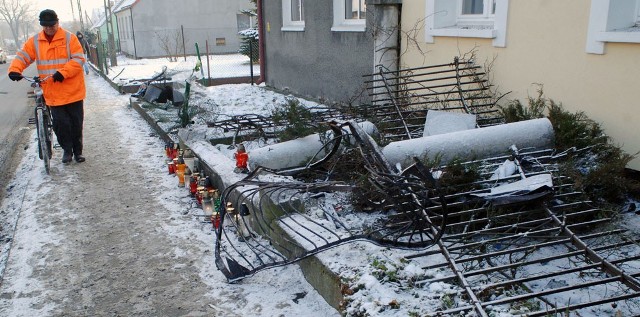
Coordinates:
65 55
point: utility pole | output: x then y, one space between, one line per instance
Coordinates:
80 15
73 14
110 39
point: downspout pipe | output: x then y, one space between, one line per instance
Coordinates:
133 32
261 53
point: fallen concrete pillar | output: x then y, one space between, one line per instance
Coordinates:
298 152
472 144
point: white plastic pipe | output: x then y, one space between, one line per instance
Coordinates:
472 144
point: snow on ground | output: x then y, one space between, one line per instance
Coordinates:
374 294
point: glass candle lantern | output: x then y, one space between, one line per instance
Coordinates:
175 163
193 184
167 149
207 206
180 171
202 181
216 204
187 178
199 194
230 209
211 193
241 157
180 174
215 220
174 150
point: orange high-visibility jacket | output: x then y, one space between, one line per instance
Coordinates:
65 55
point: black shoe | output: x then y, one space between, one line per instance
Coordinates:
66 158
80 158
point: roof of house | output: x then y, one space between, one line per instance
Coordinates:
99 22
119 6
123 5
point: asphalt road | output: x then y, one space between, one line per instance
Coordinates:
15 110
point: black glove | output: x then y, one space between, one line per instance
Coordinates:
15 76
58 77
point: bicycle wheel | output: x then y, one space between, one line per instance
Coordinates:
49 132
44 150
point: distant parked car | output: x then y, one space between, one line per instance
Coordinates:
3 56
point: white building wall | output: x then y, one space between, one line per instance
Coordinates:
199 20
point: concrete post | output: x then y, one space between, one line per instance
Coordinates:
470 144
298 152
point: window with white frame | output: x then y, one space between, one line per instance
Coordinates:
612 21
472 12
355 9
467 18
349 15
292 15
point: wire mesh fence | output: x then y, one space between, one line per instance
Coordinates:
215 69
218 48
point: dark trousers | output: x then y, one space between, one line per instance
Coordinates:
67 124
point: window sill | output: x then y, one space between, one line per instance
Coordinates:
349 28
620 37
485 33
292 28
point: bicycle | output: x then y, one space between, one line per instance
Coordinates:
42 120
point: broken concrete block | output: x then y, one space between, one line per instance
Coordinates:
441 122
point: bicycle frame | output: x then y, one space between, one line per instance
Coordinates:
43 122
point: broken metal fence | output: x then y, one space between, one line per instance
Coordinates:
507 245
278 229
255 127
401 99
548 257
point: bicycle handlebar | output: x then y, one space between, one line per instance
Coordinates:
36 79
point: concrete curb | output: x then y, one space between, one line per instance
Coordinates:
118 88
154 125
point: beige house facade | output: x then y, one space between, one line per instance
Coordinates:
584 53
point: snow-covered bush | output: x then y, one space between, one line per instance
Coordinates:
249 44
598 166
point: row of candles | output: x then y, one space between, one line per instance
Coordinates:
199 186
185 166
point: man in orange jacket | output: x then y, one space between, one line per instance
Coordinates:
59 54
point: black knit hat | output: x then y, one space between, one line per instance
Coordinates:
48 17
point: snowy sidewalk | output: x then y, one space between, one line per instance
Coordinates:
115 235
